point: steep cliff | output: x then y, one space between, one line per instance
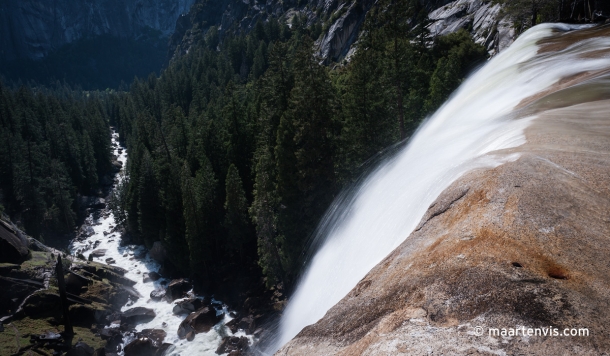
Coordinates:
33 28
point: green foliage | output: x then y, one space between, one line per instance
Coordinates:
529 13
238 148
56 146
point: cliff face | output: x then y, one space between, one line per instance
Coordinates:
341 21
32 28
524 244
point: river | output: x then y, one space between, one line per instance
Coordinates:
137 262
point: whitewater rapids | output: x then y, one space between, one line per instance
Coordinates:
126 257
472 130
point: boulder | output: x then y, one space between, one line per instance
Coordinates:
178 288
200 321
158 294
98 253
150 276
99 203
247 324
156 335
113 338
138 315
13 247
142 346
110 261
158 252
81 349
231 344
187 306
233 325
116 166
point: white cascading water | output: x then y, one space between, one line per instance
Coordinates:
204 344
379 214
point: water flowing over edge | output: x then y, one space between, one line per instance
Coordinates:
126 257
468 132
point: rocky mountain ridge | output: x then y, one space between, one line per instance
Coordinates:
341 21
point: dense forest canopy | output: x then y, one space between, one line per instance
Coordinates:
56 145
238 148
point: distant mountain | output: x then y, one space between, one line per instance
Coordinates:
93 44
33 28
338 21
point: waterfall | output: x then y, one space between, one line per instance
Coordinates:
468 132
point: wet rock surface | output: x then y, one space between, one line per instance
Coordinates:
178 288
200 321
233 345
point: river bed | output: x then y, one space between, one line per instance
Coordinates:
136 260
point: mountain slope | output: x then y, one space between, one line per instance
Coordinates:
33 28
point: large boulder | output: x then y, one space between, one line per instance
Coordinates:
138 315
141 346
156 335
178 288
116 166
200 321
13 246
158 294
187 306
158 252
98 253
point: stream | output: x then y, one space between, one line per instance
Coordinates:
136 260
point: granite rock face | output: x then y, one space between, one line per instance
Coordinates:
32 28
482 18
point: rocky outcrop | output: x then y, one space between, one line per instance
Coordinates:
524 244
32 28
481 17
178 288
30 303
13 245
336 43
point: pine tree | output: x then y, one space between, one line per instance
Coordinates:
236 211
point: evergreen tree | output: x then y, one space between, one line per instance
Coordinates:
236 212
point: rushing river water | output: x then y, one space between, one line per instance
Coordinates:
136 261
